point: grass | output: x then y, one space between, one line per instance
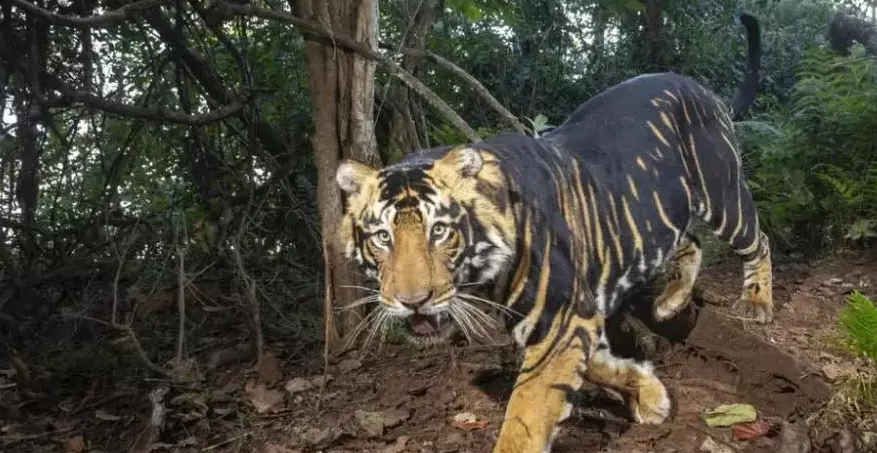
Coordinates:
854 402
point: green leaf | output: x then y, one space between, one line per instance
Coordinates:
729 414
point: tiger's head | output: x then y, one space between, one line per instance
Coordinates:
426 230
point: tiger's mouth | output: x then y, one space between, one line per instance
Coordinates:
435 327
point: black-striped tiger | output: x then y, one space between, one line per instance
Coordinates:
562 226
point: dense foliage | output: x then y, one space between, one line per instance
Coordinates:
114 176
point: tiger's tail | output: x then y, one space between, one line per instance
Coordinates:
746 94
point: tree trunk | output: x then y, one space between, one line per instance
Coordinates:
653 36
599 19
404 135
342 93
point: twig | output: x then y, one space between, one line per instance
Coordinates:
114 314
227 441
121 14
129 332
323 35
250 284
181 300
15 440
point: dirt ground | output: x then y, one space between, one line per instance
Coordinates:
451 398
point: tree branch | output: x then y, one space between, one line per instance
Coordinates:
332 39
70 96
107 19
149 113
476 85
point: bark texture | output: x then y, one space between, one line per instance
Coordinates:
342 93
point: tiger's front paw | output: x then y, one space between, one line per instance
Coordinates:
652 405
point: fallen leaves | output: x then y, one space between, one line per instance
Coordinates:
730 414
468 421
751 430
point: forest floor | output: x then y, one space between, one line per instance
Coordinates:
452 398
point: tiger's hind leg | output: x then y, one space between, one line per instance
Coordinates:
681 270
757 296
646 395
738 226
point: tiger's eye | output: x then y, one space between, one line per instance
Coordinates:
383 236
439 229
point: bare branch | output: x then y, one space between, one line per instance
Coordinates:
148 113
478 87
329 38
251 297
127 330
107 19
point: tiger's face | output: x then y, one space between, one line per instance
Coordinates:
426 231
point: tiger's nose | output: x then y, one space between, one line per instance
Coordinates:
414 300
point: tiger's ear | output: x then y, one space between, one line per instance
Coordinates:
351 176
465 160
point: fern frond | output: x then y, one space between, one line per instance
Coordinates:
859 322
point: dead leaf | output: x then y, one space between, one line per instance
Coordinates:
348 365
751 430
270 369
297 385
468 421
729 414
101 414
75 444
262 398
711 446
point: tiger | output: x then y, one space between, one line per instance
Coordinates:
558 229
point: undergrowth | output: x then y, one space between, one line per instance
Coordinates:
859 326
854 402
812 162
